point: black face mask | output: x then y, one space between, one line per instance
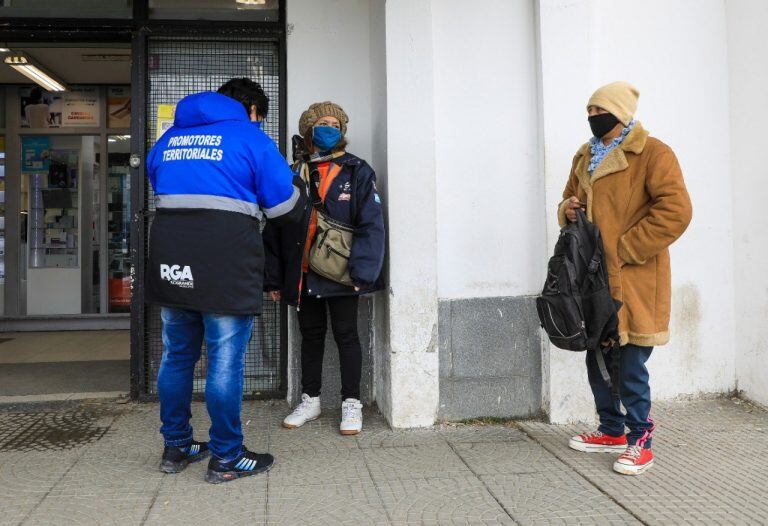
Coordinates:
602 124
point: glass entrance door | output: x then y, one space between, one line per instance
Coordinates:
59 183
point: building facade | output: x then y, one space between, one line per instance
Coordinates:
473 140
470 114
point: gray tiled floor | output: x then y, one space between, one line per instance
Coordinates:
711 469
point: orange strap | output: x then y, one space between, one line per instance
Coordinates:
328 174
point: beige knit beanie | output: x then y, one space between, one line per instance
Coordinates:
319 110
618 98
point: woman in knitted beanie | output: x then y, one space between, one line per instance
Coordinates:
343 187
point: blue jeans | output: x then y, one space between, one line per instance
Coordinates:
635 395
227 338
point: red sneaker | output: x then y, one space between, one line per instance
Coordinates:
633 461
598 442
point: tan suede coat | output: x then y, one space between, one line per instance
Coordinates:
637 197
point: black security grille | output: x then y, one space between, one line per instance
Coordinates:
177 67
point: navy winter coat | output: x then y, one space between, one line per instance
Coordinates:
284 244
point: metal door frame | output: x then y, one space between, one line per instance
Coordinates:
139 92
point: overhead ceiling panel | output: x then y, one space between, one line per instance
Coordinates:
76 65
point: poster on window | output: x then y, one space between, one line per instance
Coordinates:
78 107
39 108
35 154
81 107
165 116
119 107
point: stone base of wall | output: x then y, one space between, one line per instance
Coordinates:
490 358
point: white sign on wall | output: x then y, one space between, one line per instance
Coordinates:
81 107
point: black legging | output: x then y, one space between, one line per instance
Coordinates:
313 325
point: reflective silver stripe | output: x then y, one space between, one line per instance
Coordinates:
284 207
209 202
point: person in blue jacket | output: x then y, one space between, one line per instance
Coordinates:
215 174
347 186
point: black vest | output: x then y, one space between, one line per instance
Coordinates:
208 261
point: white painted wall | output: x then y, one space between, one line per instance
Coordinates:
747 56
462 98
377 49
329 58
491 240
679 63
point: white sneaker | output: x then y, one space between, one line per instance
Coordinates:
351 417
306 411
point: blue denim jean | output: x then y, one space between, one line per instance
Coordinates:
635 395
226 338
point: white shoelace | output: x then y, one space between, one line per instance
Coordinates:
303 406
349 411
632 452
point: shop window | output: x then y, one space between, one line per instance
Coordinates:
59 173
119 224
68 9
56 167
240 10
2 107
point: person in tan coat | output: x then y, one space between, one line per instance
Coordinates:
631 186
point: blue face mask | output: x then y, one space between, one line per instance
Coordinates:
325 137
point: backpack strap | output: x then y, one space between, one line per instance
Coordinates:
316 192
616 370
612 377
600 358
597 255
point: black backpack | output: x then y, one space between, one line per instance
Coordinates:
575 307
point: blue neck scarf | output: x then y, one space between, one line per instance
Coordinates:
600 150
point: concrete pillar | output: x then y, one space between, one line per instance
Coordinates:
407 391
565 78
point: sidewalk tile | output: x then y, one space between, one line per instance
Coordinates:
15 510
333 504
87 509
320 435
416 462
460 500
30 476
520 456
186 499
466 434
318 467
369 439
555 496
707 469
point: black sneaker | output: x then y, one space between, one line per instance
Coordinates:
175 459
249 463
